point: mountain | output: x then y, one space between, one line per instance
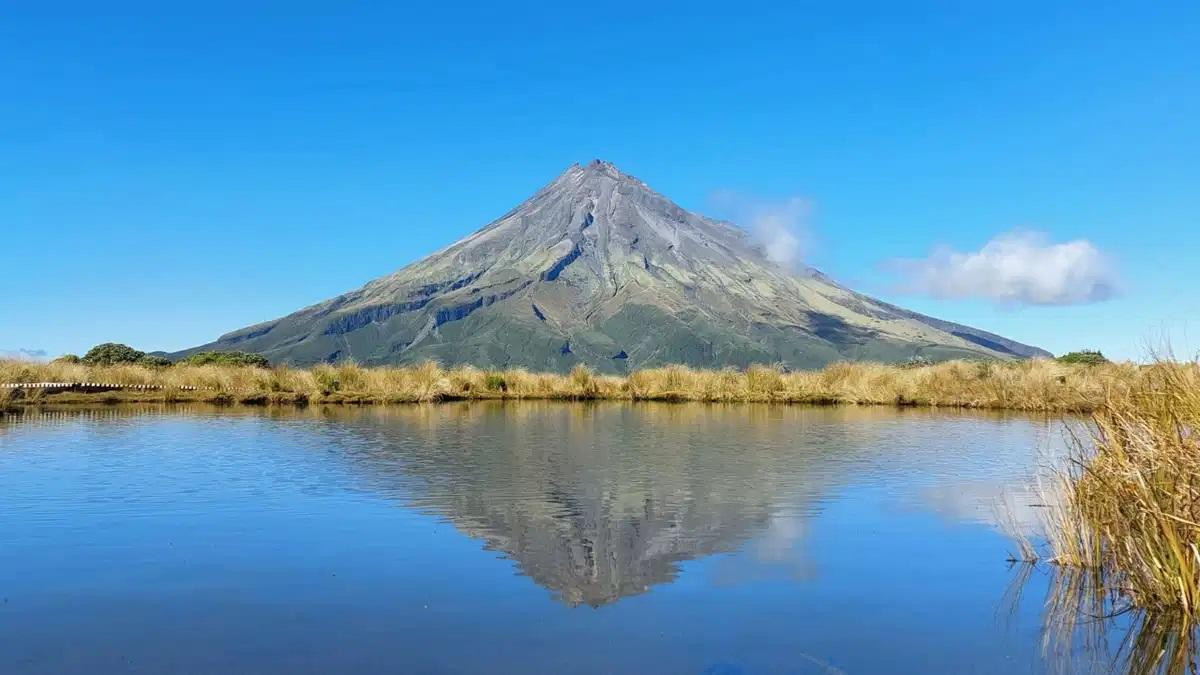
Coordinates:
599 269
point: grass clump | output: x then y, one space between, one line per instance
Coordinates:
582 382
1121 521
1121 518
1135 497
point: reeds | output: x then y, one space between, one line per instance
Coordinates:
1132 506
1037 385
1122 517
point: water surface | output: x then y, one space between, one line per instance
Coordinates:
530 537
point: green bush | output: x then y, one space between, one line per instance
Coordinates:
1087 357
112 353
227 359
495 382
68 358
154 361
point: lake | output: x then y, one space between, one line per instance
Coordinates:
523 537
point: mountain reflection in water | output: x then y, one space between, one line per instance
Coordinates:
600 502
708 538
597 502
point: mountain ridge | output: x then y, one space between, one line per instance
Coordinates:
598 268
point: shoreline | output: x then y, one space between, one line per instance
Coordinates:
292 399
1039 385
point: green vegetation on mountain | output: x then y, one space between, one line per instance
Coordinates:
227 359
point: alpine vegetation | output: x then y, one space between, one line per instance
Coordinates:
1035 384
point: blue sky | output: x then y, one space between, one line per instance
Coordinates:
168 174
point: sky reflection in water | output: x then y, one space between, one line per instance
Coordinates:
615 538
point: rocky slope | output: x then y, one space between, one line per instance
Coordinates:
597 268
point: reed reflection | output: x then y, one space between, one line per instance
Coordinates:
1089 627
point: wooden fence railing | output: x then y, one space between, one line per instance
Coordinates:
95 386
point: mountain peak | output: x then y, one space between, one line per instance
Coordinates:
599 269
597 168
603 166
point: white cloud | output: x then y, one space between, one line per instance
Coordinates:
24 354
780 227
1015 268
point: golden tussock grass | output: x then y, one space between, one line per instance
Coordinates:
1131 506
1037 385
1122 521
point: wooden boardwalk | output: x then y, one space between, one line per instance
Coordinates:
88 387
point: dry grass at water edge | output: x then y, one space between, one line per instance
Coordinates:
1038 385
1132 496
1122 522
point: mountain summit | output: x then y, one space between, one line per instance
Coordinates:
599 269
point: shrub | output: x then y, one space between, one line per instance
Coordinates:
154 361
916 361
495 382
112 353
227 359
68 358
1085 357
